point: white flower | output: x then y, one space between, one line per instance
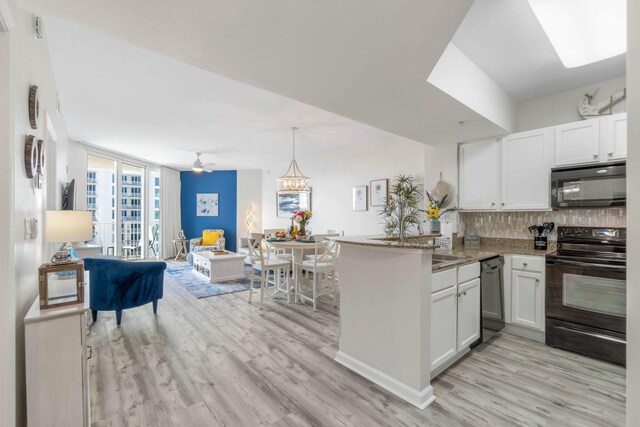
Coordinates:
297 218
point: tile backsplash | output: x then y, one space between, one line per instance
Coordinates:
514 225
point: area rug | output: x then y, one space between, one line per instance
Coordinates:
183 275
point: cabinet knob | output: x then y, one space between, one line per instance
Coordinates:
524 264
610 153
537 280
493 203
502 203
595 156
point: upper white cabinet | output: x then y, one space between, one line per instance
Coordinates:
578 142
525 170
615 146
480 175
592 141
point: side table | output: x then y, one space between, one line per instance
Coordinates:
180 246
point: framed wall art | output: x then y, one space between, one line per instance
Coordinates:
207 204
360 198
379 189
287 204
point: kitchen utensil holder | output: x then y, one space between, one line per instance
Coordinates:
540 243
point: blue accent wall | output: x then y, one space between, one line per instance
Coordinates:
225 183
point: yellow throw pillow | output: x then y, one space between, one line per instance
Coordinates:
210 238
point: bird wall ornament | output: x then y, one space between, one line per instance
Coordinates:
588 110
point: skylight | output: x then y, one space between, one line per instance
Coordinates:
583 31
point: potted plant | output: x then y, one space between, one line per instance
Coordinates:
402 208
435 210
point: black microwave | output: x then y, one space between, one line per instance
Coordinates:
589 186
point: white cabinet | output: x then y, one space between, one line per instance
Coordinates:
527 299
596 140
443 326
455 314
479 175
56 365
525 170
615 146
578 142
468 313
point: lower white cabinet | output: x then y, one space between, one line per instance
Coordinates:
455 314
526 299
468 313
57 374
443 326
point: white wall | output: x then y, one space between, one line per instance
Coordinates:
249 193
562 107
29 64
7 282
443 160
458 76
333 177
633 205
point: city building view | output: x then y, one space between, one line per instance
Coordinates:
102 189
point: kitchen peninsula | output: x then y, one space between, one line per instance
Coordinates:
385 314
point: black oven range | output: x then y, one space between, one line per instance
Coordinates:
586 291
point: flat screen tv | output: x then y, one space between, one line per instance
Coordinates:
69 196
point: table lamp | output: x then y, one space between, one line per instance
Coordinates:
68 227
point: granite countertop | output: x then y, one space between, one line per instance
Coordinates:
413 242
489 248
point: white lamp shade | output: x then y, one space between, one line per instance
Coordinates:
69 226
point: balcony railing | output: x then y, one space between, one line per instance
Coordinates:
91 180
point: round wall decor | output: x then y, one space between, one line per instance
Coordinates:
31 156
34 107
41 157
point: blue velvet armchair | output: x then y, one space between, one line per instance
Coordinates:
119 285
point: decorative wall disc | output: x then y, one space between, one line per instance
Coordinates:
41 157
31 156
34 106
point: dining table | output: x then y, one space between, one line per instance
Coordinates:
297 249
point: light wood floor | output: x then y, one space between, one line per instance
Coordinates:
221 361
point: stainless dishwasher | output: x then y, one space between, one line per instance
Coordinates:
492 297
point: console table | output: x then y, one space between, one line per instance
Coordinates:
56 364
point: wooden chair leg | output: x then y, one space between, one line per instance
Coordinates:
263 282
118 317
314 290
253 277
155 306
94 315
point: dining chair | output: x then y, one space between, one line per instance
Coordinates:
280 253
322 268
264 261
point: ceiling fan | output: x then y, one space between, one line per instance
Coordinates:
199 167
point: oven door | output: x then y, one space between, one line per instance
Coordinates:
587 294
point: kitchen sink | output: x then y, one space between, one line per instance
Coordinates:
439 258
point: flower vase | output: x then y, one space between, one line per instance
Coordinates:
435 225
302 230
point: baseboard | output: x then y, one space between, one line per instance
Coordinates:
524 332
440 369
420 399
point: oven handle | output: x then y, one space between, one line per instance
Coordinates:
586 264
592 334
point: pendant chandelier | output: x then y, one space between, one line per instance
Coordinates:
293 181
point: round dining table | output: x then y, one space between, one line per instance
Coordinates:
297 248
